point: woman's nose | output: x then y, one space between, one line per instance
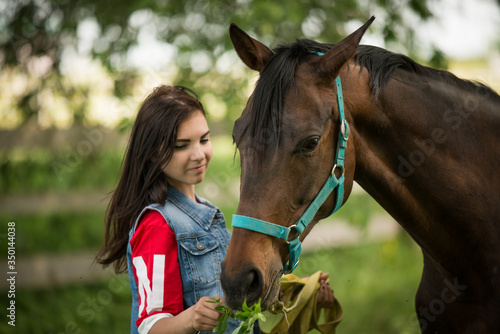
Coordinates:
197 153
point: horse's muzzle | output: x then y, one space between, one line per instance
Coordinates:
246 284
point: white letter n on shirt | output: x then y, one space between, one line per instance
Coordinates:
151 295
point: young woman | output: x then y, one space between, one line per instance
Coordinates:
171 240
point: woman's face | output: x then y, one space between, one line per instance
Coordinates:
192 154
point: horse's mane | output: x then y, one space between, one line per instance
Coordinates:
381 64
277 78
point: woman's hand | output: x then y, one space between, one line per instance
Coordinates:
325 294
205 317
202 316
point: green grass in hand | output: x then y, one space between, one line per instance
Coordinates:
248 316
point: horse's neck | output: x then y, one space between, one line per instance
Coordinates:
421 156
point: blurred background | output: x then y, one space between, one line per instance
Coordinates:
72 74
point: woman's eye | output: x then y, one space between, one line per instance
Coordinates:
180 147
310 144
204 140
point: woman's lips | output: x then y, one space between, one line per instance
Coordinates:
198 168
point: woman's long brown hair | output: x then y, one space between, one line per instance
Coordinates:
142 181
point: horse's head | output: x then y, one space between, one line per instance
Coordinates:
288 137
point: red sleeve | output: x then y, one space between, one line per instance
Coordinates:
156 267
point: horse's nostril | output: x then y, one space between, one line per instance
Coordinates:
247 285
255 285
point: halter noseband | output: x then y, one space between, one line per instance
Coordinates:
295 246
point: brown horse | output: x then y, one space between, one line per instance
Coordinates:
423 143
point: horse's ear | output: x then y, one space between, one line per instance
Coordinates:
252 52
330 64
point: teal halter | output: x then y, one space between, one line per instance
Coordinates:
295 246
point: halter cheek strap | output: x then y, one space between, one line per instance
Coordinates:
332 183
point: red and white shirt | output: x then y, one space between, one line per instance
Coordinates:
156 270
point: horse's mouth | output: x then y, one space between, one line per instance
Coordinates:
272 294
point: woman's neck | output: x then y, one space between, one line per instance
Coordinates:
186 189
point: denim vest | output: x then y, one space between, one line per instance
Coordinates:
202 241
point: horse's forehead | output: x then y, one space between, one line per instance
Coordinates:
311 87
308 101
304 105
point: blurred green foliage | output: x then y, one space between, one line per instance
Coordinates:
60 232
37 36
84 309
359 209
39 170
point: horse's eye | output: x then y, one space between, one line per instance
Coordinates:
310 144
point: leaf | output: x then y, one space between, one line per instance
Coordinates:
222 325
214 300
245 306
237 330
242 315
248 316
257 307
244 329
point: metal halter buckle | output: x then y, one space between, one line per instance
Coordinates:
342 129
333 169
